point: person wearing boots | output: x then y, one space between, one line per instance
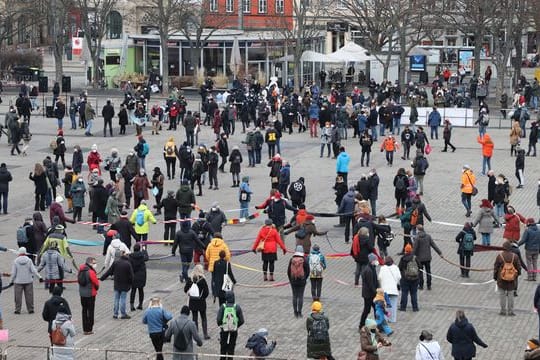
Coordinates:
266 243
196 288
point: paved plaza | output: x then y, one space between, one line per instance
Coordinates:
268 304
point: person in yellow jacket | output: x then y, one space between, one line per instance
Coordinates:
214 247
468 189
389 145
141 218
170 152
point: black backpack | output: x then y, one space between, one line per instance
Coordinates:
180 341
83 278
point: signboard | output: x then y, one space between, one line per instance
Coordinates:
337 26
417 63
465 59
76 46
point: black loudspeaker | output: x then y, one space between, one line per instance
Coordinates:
66 84
43 84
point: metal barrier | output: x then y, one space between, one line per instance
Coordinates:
31 352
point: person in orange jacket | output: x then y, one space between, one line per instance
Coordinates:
468 181
389 145
270 239
487 151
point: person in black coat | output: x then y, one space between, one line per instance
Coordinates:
492 179
462 336
221 267
77 160
205 233
108 113
465 255
170 206
122 271
185 239
197 304
138 261
5 178
122 119
125 229
40 181
369 287
100 195
52 305
228 338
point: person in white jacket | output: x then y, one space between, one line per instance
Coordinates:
115 250
389 277
427 349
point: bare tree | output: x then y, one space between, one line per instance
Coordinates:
298 31
58 11
94 18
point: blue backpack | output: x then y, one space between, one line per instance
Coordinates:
145 149
140 217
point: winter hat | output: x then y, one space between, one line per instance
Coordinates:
245 179
371 324
22 250
466 167
530 221
408 249
111 233
262 332
379 295
316 306
316 247
533 344
299 251
156 169
268 222
486 204
94 147
310 217
507 245
59 227
372 257
59 199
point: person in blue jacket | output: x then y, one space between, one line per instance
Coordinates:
156 319
434 121
258 343
244 196
342 164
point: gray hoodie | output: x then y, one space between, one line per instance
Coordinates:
23 270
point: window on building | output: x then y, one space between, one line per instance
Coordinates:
246 5
341 4
114 25
213 5
280 6
21 30
229 5
263 6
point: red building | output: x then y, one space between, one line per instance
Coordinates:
256 14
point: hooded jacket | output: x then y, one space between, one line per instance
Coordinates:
186 239
229 301
50 309
462 336
53 262
487 145
68 329
512 226
317 349
531 239
148 217
347 203
212 252
23 270
342 163
116 244
5 178
485 219
259 345
216 218
185 198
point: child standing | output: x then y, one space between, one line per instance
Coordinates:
380 312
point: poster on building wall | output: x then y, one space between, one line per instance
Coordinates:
76 46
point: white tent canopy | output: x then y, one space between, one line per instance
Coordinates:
313 56
349 53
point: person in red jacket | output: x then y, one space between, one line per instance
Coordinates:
512 227
88 288
94 159
57 210
267 242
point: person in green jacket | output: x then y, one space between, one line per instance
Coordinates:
318 338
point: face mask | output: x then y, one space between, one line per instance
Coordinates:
94 151
214 209
80 180
75 150
94 266
142 174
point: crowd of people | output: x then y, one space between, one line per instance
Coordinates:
118 190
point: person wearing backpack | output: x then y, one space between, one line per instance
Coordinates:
531 239
267 242
196 288
141 218
422 250
317 265
304 231
142 149
506 271
229 318
466 239
184 332
420 164
298 272
156 318
62 335
485 220
88 288
170 153
318 337
400 193
410 271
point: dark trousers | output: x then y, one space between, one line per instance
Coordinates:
316 287
368 305
465 260
223 162
170 231
406 150
186 259
390 157
157 341
268 265
198 181
427 266
448 143
227 343
343 175
359 268
132 295
258 155
105 123
62 157
4 198
212 176
349 224
190 137
40 202
122 129
204 320
409 287
77 213
88 304
171 166
251 157
365 155
298 298
271 150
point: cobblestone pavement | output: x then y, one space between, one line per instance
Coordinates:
270 306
